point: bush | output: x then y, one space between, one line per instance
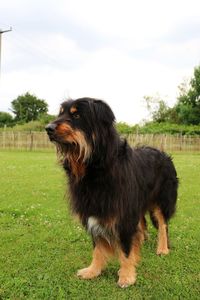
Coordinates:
30 126
168 128
38 125
158 128
6 119
124 128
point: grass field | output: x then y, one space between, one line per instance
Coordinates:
42 247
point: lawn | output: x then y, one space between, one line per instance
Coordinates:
42 246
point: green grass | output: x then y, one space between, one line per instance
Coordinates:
42 246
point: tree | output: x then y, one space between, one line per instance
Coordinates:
6 119
158 109
186 110
188 104
28 107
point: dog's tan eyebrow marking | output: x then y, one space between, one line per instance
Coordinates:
73 109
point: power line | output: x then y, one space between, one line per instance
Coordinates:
1 32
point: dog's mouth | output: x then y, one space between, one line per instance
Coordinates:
54 138
51 136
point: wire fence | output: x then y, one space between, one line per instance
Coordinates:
32 141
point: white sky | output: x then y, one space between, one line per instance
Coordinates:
116 50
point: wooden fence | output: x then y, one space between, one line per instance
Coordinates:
39 141
24 140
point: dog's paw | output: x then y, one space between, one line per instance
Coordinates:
88 273
125 280
162 251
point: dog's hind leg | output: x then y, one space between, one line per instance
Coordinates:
162 247
143 228
101 253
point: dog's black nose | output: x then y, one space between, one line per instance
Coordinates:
50 127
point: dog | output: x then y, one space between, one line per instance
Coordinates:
113 186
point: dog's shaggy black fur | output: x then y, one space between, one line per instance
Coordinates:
112 185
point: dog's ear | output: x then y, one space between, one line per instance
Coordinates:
103 112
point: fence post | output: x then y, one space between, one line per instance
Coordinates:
198 144
4 139
18 139
162 144
31 143
180 137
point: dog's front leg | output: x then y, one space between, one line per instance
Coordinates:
128 262
101 253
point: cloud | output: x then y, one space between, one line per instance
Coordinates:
39 51
108 74
115 50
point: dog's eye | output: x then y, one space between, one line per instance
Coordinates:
76 115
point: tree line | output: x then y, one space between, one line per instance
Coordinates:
184 116
187 108
26 108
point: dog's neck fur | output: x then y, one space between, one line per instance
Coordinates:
102 155
104 152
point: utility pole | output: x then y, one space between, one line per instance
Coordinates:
1 32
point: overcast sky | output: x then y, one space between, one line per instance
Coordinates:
115 50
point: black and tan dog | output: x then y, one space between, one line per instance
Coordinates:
112 185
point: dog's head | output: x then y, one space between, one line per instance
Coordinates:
82 127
